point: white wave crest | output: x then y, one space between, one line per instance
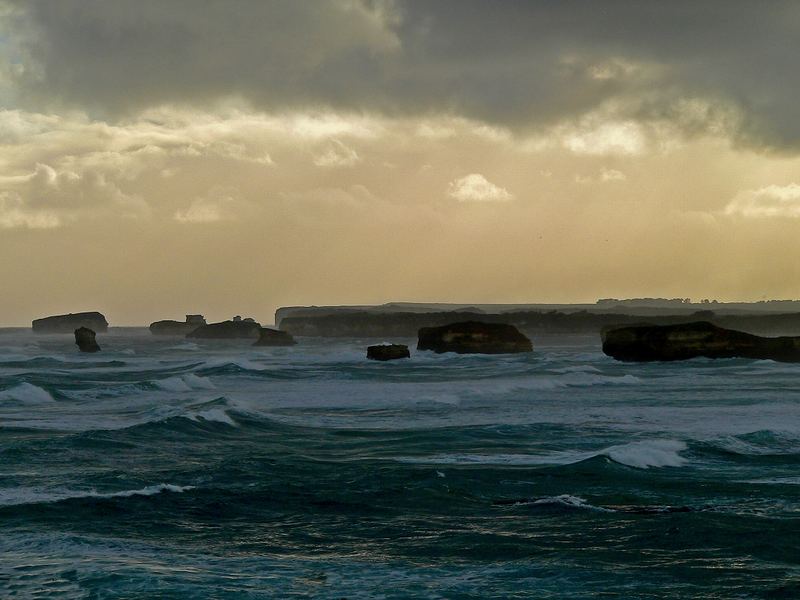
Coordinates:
566 379
772 442
641 455
185 346
648 453
242 363
568 501
184 383
27 394
20 496
213 414
773 481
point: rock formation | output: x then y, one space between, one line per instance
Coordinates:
180 328
388 352
274 337
473 337
69 323
85 340
691 340
364 323
232 330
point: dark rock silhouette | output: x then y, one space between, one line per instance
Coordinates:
69 323
388 352
231 330
691 340
473 337
274 337
181 328
85 340
363 323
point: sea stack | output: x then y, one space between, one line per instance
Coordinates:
692 340
388 352
70 322
85 340
274 337
474 337
181 328
237 328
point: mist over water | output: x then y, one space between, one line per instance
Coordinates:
184 469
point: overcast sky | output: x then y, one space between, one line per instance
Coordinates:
163 157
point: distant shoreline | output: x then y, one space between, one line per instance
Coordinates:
643 307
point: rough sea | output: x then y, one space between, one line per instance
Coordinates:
163 468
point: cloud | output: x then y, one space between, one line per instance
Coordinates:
605 176
15 214
524 66
612 175
46 197
220 204
769 201
606 138
476 188
199 211
337 155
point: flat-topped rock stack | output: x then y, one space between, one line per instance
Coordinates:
388 352
178 328
645 343
474 337
237 328
274 337
70 322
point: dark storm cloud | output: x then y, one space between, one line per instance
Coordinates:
520 64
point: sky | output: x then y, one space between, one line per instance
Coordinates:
164 157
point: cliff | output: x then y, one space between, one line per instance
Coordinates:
369 324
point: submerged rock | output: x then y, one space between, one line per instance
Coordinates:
388 352
274 337
85 340
473 337
168 327
230 330
70 322
691 340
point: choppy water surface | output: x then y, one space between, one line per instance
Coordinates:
164 468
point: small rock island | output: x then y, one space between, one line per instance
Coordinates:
235 329
474 337
692 340
70 322
85 340
274 337
178 328
388 352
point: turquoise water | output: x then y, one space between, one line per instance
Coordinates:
161 468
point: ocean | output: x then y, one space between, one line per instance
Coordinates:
164 468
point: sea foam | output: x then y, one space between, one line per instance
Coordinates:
21 496
648 453
184 383
26 394
641 455
568 501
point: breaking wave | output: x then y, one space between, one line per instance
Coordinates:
26 394
22 496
